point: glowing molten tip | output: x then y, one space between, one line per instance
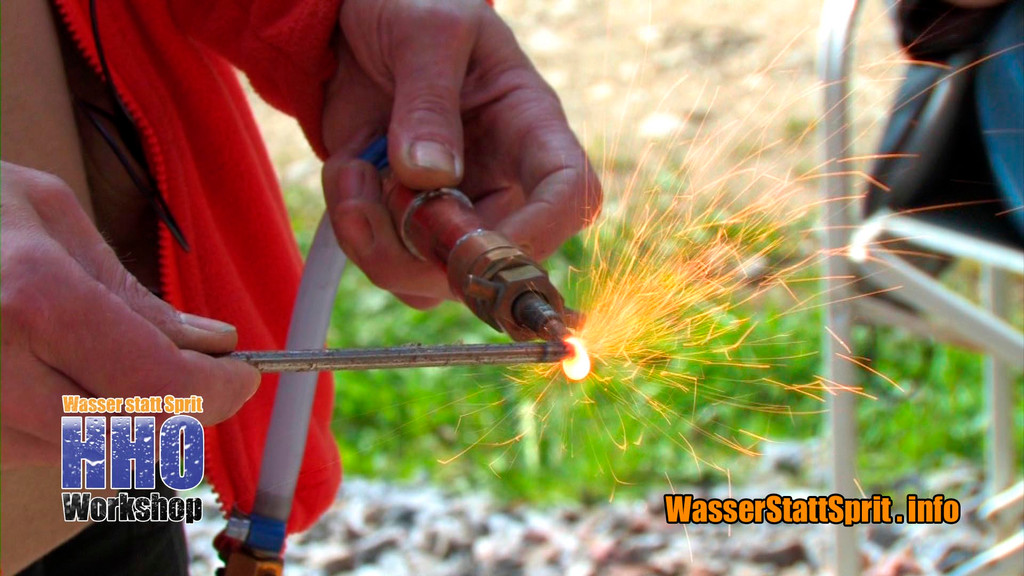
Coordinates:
577 365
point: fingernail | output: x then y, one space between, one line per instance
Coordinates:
206 324
433 156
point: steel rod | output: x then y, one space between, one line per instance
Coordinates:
411 356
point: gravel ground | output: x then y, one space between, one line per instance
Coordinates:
381 529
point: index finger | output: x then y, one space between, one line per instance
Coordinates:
93 337
539 161
562 192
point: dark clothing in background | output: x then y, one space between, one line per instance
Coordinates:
933 30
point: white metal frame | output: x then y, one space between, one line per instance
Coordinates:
933 308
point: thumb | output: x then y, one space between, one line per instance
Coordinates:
432 46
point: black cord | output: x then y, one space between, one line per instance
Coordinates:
129 136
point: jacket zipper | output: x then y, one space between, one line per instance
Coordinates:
150 144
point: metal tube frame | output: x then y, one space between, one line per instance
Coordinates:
982 328
838 20
1001 454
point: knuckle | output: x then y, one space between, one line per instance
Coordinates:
593 196
586 195
583 204
133 290
26 285
121 281
49 193
432 103
354 232
456 19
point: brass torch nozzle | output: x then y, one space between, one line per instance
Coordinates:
506 288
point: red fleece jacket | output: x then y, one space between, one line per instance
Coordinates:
171 63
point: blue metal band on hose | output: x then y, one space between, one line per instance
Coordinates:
265 533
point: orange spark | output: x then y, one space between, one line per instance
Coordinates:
709 233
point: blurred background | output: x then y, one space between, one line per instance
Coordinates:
644 85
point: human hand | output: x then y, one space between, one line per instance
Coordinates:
462 106
76 322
